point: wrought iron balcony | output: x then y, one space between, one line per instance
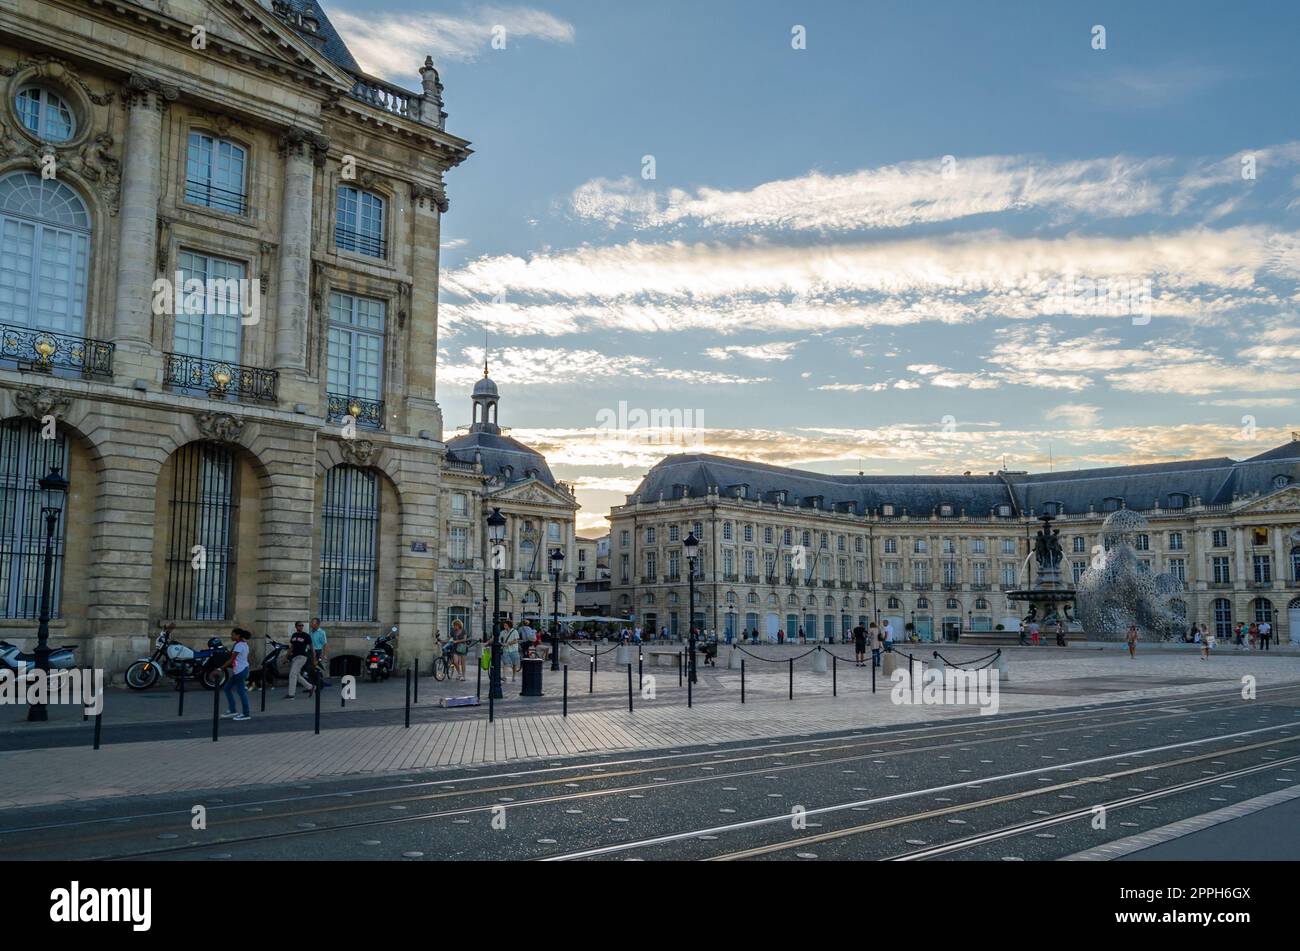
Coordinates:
751 579
359 242
892 586
981 586
649 579
368 413
219 379
43 351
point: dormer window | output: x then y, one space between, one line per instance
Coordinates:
1178 500
887 510
946 510
1004 511
1112 504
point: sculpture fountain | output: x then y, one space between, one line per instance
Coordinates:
1118 590
1049 599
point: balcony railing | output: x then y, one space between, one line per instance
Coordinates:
673 578
219 379
892 586
44 351
366 412
649 579
981 586
751 579
213 196
358 242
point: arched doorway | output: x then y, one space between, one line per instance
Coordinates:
1293 620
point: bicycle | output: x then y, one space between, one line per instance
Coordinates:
443 665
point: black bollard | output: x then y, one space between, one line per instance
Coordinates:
408 698
742 680
873 676
565 711
595 653
99 722
416 677
791 678
180 708
681 666
216 712
264 680
835 676
478 690
690 694
591 671
640 661
316 696
629 687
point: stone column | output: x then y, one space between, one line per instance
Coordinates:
145 98
303 151
420 310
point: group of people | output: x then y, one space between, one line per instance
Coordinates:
1031 634
307 655
516 644
1257 635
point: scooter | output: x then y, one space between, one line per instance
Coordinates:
11 656
276 663
382 658
178 661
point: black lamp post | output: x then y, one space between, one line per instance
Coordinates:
53 488
496 523
557 563
692 545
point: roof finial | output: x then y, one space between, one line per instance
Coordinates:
485 354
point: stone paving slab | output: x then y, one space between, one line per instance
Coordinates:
30 777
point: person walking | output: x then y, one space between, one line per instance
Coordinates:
237 681
320 641
860 645
1265 633
1252 633
302 652
1239 636
888 636
1024 634
1132 638
459 646
876 642
1207 641
510 648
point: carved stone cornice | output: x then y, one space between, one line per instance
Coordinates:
37 402
358 452
220 427
147 92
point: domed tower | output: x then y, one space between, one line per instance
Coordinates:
485 399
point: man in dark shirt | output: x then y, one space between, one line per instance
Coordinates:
301 653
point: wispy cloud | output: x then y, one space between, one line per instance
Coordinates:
394 45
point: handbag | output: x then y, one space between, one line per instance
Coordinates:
485 659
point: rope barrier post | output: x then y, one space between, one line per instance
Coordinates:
640 664
791 678
873 675
595 652
478 688
565 711
408 698
316 696
264 680
681 666
629 687
216 711
99 722
742 680
835 676
180 710
416 679
591 669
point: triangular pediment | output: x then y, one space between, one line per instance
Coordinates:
250 25
1283 500
531 490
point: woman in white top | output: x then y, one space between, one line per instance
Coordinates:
238 679
510 648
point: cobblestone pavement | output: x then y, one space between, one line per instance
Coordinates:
1040 679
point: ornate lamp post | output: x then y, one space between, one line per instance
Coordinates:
557 563
53 488
496 523
692 545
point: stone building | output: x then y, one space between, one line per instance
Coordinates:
220 284
487 469
783 548
591 592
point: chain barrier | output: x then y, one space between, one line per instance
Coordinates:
991 658
770 660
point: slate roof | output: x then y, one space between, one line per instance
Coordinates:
497 452
1213 481
336 51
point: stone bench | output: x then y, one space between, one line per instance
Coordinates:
663 657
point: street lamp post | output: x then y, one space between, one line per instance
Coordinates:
53 488
557 562
496 523
692 545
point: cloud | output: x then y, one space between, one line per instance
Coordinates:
763 351
393 46
545 365
1075 415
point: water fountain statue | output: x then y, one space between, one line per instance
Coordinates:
1118 590
1049 599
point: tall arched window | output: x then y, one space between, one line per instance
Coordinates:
201 563
45 234
1295 563
349 557
359 223
1222 617
214 173
24 458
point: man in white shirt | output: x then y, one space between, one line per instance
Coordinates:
889 635
1265 634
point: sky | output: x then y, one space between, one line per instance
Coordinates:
913 237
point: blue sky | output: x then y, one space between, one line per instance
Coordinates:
881 252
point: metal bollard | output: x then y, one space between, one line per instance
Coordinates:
742 680
263 689
640 661
565 711
216 712
416 677
873 678
99 722
835 676
408 698
629 688
478 690
681 666
316 696
791 678
591 670
180 709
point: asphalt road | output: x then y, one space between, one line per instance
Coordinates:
1013 787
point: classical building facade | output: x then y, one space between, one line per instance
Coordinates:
487 469
591 592
788 549
218 316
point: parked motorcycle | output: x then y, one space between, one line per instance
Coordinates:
11 656
276 663
178 661
381 660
